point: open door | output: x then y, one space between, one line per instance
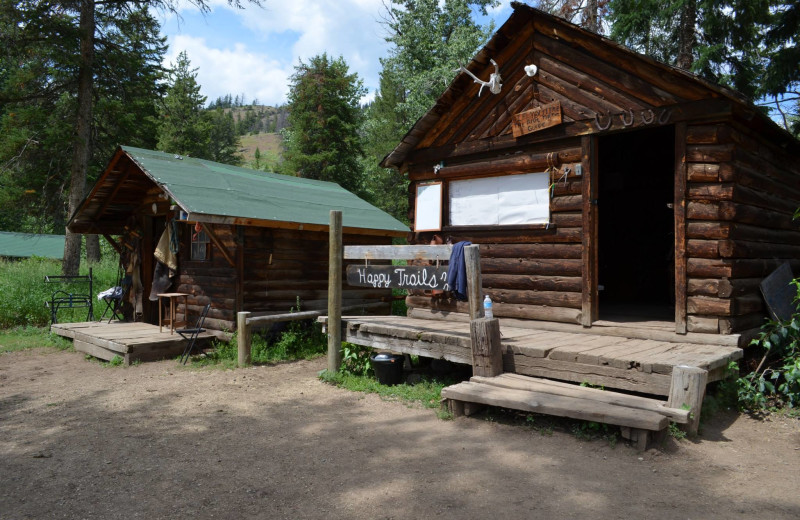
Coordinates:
636 220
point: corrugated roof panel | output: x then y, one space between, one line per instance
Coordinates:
209 188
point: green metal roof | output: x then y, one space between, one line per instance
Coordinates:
207 188
24 245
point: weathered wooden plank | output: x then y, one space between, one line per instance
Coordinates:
632 380
415 252
551 404
601 355
539 345
520 382
570 350
98 351
429 349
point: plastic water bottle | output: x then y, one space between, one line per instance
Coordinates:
487 307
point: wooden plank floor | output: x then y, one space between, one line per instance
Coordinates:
622 360
130 341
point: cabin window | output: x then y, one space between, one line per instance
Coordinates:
507 200
199 245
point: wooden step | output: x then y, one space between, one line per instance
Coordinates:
635 415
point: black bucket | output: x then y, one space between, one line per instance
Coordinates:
388 368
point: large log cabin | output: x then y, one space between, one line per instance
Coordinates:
602 184
246 240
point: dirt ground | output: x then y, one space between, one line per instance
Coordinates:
82 440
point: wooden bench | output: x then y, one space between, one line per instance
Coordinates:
61 299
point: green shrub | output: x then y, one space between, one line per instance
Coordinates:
775 383
355 360
300 340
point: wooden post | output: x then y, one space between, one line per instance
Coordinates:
472 258
487 356
687 389
243 338
335 292
589 295
679 207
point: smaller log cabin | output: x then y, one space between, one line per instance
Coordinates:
245 240
602 184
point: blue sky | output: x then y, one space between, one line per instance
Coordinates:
253 51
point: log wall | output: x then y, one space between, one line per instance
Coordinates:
212 281
277 268
741 194
530 272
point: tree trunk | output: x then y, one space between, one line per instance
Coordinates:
92 249
82 137
686 35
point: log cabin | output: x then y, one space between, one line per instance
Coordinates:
245 240
602 184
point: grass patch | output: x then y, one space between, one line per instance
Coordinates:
26 338
300 340
23 292
427 392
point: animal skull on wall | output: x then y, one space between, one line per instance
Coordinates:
494 80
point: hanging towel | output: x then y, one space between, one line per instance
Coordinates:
457 271
163 252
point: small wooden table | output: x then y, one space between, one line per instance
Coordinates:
171 320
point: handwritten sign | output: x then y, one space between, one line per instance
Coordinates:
398 276
537 119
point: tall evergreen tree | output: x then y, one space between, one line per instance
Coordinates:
83 34
223 142
721 40
183 126
38 103
322 141
383 128
430 40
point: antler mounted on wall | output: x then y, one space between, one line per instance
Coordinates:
494 80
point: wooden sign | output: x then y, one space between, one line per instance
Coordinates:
398 276
537 119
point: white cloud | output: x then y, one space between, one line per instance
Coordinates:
272 39
234 70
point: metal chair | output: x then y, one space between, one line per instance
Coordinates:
115 300
191 334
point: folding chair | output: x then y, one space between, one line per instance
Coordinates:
191 334
115 300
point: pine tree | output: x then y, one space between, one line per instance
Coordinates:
183 127
383 128
721 40
322 141
430 40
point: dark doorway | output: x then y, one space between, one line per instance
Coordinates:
636 225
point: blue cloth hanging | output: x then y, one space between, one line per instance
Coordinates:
457 271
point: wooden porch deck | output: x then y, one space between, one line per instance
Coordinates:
130 341
637 357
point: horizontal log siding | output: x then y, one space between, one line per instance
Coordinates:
281 266
741 193
213 281
529 272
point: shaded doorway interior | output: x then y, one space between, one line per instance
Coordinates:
636 225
